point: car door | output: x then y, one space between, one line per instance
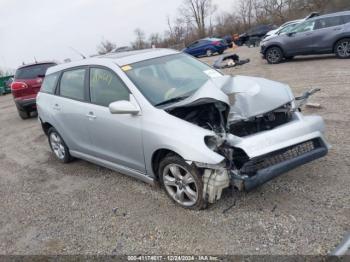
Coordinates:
69 108
325 33
299 41
191 49
116 138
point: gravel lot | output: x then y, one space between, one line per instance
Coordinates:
51 208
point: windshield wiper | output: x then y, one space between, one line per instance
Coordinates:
172 100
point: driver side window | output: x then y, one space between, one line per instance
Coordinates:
305 27
106 87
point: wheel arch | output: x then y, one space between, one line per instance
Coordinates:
45 126
158 156
274 45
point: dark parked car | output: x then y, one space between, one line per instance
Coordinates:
122 49
319 35
206 46
26 85
254 34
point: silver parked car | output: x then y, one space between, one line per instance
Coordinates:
324 34
161 115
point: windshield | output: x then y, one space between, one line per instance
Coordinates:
287 29
169 78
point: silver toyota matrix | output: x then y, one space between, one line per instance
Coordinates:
161 115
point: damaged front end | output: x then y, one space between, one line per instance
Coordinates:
257 127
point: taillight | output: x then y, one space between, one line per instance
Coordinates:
18 86
216 43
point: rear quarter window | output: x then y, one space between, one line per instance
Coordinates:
33 71
49 84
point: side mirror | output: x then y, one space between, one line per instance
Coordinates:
291 34
123 108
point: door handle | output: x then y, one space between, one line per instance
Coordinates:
57 107
337 29
308 34
91 116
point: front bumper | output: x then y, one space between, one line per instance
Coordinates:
272 153
262 50
262 169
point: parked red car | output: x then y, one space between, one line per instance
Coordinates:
26 85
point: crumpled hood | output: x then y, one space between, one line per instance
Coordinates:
255 96
246 96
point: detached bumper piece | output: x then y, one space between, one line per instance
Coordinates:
262 169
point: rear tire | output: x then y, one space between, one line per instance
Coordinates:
23 114
274 55
342 48
209 53
182 183
58 146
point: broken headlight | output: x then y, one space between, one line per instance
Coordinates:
213 142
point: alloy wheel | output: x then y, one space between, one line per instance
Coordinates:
274 55
343 49
180 185
209 52
57 145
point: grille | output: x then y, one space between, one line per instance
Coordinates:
256 164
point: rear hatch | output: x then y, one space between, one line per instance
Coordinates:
32 77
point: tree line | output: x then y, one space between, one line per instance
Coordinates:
196 19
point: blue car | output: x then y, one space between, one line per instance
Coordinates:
206 46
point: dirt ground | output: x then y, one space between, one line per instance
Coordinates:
51 208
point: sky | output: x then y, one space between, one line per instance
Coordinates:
46 29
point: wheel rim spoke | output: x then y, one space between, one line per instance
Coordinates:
180 195
175 171
188 179
191 194
169 181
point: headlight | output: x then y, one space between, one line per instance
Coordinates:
213 142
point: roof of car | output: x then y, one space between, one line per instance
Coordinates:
120 59
331 14
38 63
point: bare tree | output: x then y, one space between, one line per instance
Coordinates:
140 42
198 12
105 47
155 39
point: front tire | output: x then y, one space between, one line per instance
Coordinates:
342 48
182 183
274 55
58 146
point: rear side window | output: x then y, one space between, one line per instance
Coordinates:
49 84
328 22
346 19
33 71
106 87
72 84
